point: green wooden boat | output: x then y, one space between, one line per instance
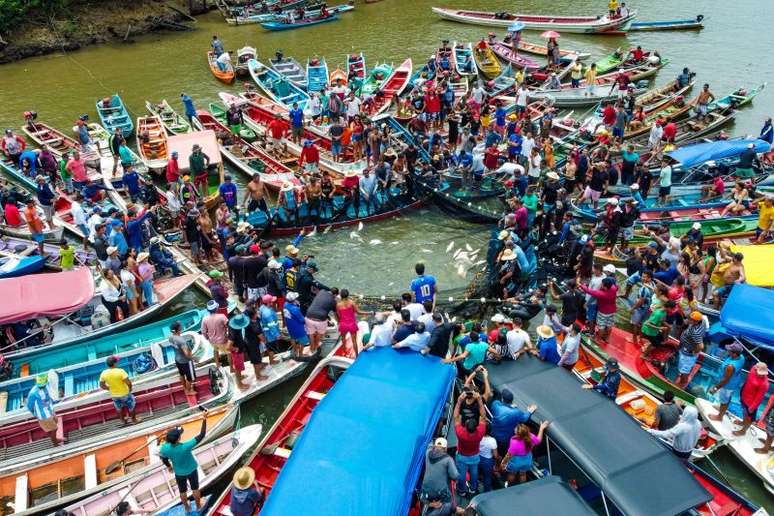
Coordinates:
712 229
219 112
610 62
376 78
738 98
170 119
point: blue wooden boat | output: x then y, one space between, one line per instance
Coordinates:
307 22
694 24
44 358
652 206
113 114
12 266
277 87
290 68
316 74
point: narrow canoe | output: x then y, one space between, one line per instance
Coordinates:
694 24
486 60
113 115
298 24
575 24
445 60
226 76
316 74
173 122
12 265
57 142
23 247
338 76
152 142
289 68
356 66
542 50
509 55
464 62
244 15
29 488
391 88
218 111
740 97
277 87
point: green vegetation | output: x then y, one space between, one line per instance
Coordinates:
13 12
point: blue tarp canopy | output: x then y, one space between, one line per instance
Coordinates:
693 155
363 448
747 314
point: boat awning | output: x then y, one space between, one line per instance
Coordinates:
743 313
183 143
548 495
692 155
363 448
637 473
757 264
45 295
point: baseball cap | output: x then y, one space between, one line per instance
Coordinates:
441 443
498 318
212 305
609 268
696 316
174 435
311 264
291 296
506 395
696 226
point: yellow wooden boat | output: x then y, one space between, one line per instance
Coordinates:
486 60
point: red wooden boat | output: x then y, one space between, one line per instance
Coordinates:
681 215
242 154
509 55
275 447
445 56
724 499
391 88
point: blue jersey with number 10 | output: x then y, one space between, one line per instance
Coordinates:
424 288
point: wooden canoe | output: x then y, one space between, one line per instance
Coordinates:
509 55
152 142
25 247
575 24
173 122
113 115
391 88
289 68
66 479
691 24
277 87
542 50
487 61
226 76
57 142
338 76
356 65
316 74
376 77
298 24
464 62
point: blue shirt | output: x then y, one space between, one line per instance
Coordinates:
183 461
423 288
228 192
269 323
505 419
500 117
132 182
31 157
40 403
514 150
492 139
294 320
667 276
521 258
609 386
296 117
45 195
548 351
190 110
119 241
736 379
465 160
83 135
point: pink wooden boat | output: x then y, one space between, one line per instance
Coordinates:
391 88
507 54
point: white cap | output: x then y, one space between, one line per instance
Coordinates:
291 296
613 201
441 443
635 186
697 225
498 318
609 268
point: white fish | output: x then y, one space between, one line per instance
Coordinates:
457 253
450 246
327 230
313 232
461 271
479 263
360 226
375 242
467 246
395 243
425 251
391 284
355 236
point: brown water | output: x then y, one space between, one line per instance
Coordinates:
733 50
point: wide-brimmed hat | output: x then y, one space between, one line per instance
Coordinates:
498 318
239 322
507 255
504 234
242 226
244 477
350 173
761 369
143 256
696 226
553 175
545 331
291 249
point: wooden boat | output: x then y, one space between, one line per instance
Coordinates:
277 87
219 112
23 247
338 76
289 68
740 97
316 74
113 115
23 231
208 142
152 142
249 159
12 265
161 401
376 77
226 76
298 24
156 491
576 97
464 62
78 339
741 446
391 88
574 24
57 142
724 499
244 55
657 98
486 60
356 66
85 473
445 59
101 139
502 84
275 447
254 13
610 62
694 24
509 55
542 50
171 120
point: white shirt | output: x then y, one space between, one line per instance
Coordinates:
79 216
353 106
427 320
314 105
109 292
416 310
93 221
512 169
486 446
478 94
172 201
595 283
656 131
478 163
526 147
534 165
521 97
517 339
224 58
624 12
381 335
127 278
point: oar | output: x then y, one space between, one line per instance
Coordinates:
113 466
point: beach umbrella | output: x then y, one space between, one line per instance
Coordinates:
516 26
550 34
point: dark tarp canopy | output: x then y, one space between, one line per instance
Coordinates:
637 473
549 495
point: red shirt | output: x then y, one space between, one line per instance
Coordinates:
432 103
78 170
467 444
350 183
638 54
605 298
608 115
277 128
521 216
753 390
309 155
12 215
670 131
623 81
173 171
490 158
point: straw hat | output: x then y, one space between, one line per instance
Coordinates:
508 255
504 234
545 332
553 175
291 250
242 227
350 173
761 369
244 477
143 256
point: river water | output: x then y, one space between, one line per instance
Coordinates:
733 50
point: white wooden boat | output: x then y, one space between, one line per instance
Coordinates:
575 24
152 142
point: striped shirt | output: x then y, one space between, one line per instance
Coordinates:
40 403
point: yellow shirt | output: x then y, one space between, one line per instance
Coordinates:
577 71
114 378
612 6
765 216
591 77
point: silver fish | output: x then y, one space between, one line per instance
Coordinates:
375 242
450 246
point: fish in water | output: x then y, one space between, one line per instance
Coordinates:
360 226
355 236
313 232
375 242
479 263
425 251
450 246
461 271
467 246
457 253
395 243
327 230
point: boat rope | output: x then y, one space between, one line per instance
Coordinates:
717 468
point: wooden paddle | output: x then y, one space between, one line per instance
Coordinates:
113 466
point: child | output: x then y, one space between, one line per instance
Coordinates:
270 326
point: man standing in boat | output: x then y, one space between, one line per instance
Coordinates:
703 100
41 404
116 381
198 163
179 458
